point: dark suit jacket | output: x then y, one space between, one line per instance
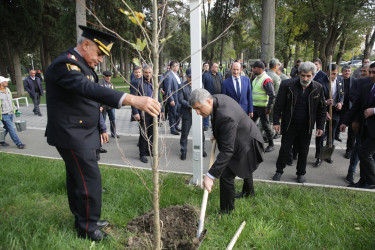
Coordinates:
73 102
183 99
347 90
356 88
357 110
320 75
208 83
30 88
141 90
171 87
239 140
246 99
339 97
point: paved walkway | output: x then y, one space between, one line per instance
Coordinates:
124 152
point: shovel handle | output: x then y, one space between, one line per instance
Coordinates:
205 195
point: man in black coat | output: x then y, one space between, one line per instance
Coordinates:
239 141
73 99
299 105
34 87
361 117
336 102
144 87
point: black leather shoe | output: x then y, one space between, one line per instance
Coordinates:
21 146
178 129
276 177
330 161
241 195
350 178
143 159
301 179
347 155
318 162
97 235
40 114
102 150
337 138
183 156
102 224
4 144
204 154
175 133
115 136
269 148
359 184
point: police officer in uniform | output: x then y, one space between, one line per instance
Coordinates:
73 99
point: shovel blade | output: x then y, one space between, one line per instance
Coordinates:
326 152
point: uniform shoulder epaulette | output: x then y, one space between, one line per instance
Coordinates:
71 56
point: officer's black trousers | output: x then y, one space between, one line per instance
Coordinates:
84 186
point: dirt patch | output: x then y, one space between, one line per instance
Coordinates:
179 227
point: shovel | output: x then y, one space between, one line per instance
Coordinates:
327 150
200 232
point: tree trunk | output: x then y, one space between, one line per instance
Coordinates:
46 54
316 50
341 51
17 72
10 62
80 16
268 30
369 43
3 64
163 27
126 63
155 163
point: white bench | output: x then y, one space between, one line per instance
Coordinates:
20 98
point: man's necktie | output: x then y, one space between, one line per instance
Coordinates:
238 88
372 95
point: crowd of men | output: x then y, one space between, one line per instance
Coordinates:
234 99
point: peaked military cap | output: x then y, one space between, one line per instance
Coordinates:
102 39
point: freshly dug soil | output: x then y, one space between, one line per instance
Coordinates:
178 225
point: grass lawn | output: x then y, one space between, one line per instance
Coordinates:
34 212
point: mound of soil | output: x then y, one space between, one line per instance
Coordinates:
178 229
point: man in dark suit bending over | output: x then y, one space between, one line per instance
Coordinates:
73 99
239 141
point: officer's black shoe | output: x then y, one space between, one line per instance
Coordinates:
350 178
143 159
183 156
337 138
97 235
242 195
102 224
276 177
102 150
301 179
204 154
318 162
330 161
347 155
269 148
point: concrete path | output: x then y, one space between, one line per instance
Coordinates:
124 152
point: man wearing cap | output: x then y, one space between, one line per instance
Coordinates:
6 115
106 82
73 123
263 96
33 86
